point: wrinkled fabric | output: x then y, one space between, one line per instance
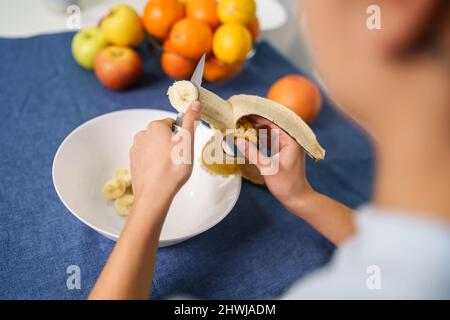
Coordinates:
257 251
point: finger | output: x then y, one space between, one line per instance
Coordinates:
138 135
251 152
161 128
164 123
191 116
260 121
130 153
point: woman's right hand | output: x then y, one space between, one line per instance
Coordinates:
288 183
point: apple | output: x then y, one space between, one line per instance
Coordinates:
118 68
123 26
86 44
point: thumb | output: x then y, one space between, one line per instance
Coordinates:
251 152
191 116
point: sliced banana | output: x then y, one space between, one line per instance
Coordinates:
123 204
231 114
216 111
114 188
183 95
124 174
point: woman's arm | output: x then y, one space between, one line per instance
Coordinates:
331 218
128 273
290 186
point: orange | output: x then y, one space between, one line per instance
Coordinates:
203 10
191 38
232 43
255 29
298 94
176 66
160 16
215 70
236 11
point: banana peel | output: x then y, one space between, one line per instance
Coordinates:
229 114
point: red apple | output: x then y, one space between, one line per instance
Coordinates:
118 68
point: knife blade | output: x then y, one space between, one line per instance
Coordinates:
196 79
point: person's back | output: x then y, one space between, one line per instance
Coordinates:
393 256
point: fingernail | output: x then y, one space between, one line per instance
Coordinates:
196 106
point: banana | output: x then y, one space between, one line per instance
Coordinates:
114 188
221 164
216 111
125 175
232 115
183 95
284 118
123 204
226 165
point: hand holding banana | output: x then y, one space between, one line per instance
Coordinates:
234 114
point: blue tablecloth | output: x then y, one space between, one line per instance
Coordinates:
258 251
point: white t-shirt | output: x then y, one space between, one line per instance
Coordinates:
394 255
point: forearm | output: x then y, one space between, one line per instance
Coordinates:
129 271
329 217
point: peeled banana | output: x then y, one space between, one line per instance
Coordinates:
123 204
232 114
120 190
114 188
125 175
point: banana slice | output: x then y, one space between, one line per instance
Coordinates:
183 95
124 174
216 111
123 204
231 114
113 189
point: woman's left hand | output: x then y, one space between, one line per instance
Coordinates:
158 168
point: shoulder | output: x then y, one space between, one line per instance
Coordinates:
393 256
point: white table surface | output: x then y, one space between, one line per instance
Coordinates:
23 18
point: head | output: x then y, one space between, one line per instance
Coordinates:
383 77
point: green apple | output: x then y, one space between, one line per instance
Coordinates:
123 26
86 44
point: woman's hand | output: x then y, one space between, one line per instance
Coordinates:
156 179
288 184
155 171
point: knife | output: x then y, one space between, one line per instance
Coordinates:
196 79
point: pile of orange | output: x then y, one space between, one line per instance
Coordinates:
225 30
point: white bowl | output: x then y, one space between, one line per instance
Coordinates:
90 155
